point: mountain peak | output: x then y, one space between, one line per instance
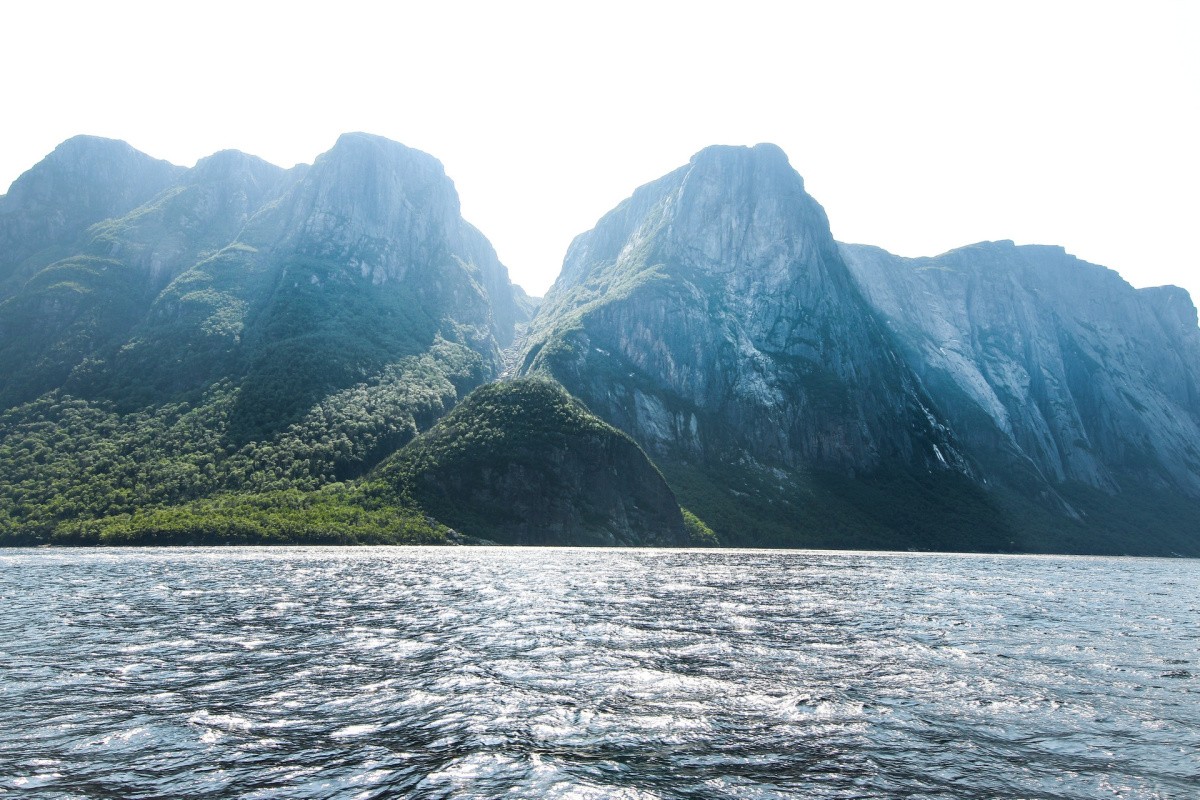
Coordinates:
387 212
730 209
226 159
737 338
379 151
84 180
380 179
746 208
234 166
86 144
1174 302
763 164
764 153
83 161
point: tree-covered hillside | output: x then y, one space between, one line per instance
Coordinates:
241 353
244 331
522 462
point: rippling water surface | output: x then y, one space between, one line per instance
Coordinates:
430 673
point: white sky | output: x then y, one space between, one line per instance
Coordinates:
920 126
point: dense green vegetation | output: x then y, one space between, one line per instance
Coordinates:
502 422
699 534
80 473
67 460
524 462
335 514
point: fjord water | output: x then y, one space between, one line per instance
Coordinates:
437 673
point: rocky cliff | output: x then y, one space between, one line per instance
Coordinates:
241 352
711 317
1058 376
362 260
391 213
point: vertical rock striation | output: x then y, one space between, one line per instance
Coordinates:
711 316
1055 372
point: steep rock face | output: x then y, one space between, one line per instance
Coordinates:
347 267
203 211
712 318
236 256
391 213
1049 365
521 462
85 179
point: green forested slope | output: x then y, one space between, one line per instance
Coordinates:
522 462
245 335
67 459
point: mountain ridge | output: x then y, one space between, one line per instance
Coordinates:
710 316
979 321
223 336
241 340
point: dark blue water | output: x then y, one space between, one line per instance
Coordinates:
437 673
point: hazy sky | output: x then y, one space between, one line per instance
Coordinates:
920 126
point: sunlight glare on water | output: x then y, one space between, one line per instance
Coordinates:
574 673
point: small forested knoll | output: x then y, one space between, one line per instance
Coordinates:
523 462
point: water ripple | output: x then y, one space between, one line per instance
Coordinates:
440 673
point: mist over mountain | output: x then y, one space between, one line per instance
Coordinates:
85 179
169 334
238 352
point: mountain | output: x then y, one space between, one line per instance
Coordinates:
170 334
85 180
522 462
363 261
79 307
1067 385
330 353
712 317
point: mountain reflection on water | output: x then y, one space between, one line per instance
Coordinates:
557 673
